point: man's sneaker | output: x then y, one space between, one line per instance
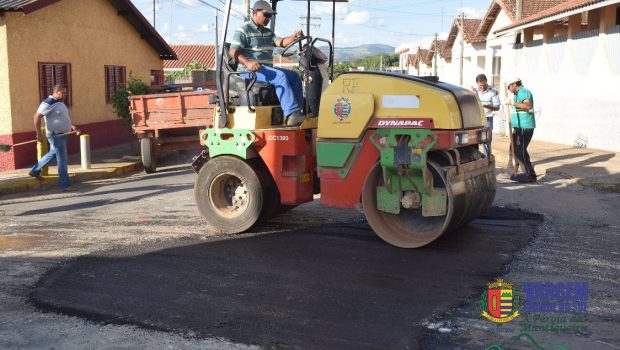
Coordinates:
35 175
295 118
69 189
524 178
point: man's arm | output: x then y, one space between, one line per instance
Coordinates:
491 107
37 125
284 42
525 104
494 103
239 57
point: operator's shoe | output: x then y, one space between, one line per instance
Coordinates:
295 119
35 175
524 178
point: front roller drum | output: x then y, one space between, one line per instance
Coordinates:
228 194
466 199
408 229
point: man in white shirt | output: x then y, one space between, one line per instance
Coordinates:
57 124
489 98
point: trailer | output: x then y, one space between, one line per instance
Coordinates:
171 121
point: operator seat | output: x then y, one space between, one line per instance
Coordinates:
261 93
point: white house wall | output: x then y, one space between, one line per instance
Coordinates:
575 87
471 53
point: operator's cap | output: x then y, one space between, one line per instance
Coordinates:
264 6
513 80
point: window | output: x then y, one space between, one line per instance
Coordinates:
114 81
618 15
51 74
157 77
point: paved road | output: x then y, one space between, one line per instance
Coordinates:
312 278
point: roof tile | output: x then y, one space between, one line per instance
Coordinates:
563 6
203 54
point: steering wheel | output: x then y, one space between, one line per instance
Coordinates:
285 52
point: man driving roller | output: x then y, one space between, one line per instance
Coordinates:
252 46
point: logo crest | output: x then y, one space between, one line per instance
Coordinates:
342 108
500 303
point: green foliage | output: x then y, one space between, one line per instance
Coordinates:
185 73
120 98
374 62
369 63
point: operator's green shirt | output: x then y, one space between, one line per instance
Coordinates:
255 43
521 118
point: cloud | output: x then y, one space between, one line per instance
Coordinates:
324 8
379 22
357 17
472 12
203 29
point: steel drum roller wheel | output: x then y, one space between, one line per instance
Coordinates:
228 194
408 229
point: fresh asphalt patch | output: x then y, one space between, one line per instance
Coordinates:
334 286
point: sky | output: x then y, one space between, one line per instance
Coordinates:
399 23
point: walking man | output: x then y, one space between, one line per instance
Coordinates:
523 123
252 46
489 97
57 122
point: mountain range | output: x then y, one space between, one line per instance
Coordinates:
348 54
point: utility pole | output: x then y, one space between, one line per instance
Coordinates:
216 26
417 57
462 48
246 6
305 21
435 57
381 63
171 13
154 1
216 36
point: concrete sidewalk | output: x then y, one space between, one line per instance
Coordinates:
591 168
105 163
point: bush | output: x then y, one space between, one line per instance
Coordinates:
120 99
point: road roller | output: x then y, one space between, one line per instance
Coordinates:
403 149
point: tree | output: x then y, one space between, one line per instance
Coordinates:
120 98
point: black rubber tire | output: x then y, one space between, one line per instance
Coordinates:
148 158
229 194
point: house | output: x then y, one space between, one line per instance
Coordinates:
415 61
568 55
204 55
466 51
437 62
91 47
285 62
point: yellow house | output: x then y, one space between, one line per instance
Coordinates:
91 47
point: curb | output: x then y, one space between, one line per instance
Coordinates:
29 184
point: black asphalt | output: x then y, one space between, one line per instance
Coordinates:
328 287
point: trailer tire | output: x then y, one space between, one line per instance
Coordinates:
148 158
229 194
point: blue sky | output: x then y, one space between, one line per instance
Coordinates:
391 22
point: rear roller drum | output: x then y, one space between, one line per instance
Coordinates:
229 194
408 229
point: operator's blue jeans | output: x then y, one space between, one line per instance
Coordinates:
487 148
58 150
287 84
